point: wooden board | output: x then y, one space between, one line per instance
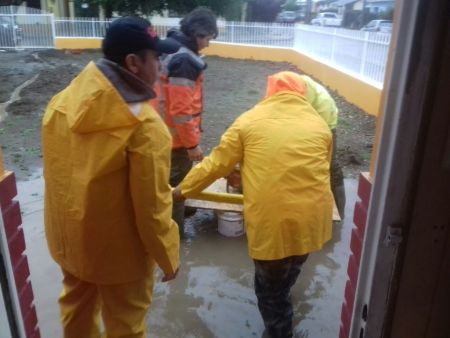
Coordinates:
219 186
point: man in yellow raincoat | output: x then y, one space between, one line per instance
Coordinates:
322 102
108 202
284 149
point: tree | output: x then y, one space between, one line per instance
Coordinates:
10 2
387 15
123 7
230 9
290 5
263 10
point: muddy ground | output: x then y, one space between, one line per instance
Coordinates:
231 87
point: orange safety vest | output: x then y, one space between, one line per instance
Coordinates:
180 99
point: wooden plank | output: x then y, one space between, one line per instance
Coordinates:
218 186
217 191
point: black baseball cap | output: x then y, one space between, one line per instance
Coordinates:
128 35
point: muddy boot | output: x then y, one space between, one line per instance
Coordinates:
339 197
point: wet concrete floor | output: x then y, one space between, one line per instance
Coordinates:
213 293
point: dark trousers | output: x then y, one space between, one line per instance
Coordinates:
273 282
181 164
337 179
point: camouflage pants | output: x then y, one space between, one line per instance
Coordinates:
180 166
337 179
273 282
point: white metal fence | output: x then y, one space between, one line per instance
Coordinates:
27 31
86 28
361 54
255 33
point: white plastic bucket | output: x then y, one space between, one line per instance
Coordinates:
230 224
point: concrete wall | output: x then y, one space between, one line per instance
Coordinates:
78 43
353 90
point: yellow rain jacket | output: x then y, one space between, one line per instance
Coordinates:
108 203
317 96
284 148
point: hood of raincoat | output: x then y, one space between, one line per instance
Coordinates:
285 81
179 36
314 93
87 101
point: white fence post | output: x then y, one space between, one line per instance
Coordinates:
232 31
52 20
333 44
15 38
364 54
93 27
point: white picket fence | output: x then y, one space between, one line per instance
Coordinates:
80 28
361 54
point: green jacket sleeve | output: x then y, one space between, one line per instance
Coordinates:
322 102
149 162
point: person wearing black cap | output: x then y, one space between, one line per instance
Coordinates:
108 202
181 95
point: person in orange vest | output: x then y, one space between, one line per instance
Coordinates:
108 202
284 149
181 95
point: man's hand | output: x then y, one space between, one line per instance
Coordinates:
195 154
169 277
234 179
177 195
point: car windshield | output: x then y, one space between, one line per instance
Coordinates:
386 24
329 15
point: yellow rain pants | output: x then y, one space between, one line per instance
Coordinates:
121 306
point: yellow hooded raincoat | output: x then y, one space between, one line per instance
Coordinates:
284 148
317 96
106 166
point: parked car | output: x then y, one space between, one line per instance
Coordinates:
10 33
286 17
384 26
327 19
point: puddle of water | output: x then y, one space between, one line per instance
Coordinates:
213 294
15 96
